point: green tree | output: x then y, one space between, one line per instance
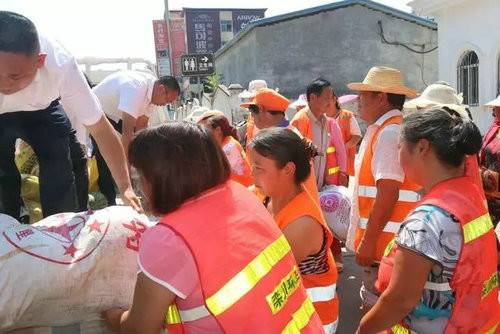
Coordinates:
211 83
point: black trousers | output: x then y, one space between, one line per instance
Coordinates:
54 142
105 180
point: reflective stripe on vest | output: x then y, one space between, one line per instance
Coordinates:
489 285
288 285
176 316
246 279
333 170
477 228
331 328
404 195
390 227
398 329
330 150
300 318
493 329
322 294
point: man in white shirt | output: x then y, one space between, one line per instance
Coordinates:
38 77
382 196
128 98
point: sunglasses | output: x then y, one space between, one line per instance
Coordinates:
254 109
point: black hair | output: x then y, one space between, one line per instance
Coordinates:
170 82
283 146
451 137
316 87
180 160
397 101
337 104
18 34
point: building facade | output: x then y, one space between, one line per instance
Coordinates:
469 49
340 42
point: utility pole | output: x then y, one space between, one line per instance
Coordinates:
166 17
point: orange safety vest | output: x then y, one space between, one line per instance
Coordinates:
240 168
320 287
367 193
475 281
247 272
309 183
302 122
344 121
473 171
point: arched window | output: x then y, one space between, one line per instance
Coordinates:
468 78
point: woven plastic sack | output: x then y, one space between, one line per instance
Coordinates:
336 206
67 268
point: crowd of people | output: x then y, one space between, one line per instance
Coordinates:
246 239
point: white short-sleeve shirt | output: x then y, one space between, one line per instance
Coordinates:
59 77
354 127
385 161
126 91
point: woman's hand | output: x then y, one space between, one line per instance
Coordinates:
112 318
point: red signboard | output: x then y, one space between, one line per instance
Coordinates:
178 28
160 31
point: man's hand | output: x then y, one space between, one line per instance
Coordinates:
489 182
130 198
112 150
365 254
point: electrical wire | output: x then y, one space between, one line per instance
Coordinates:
384 40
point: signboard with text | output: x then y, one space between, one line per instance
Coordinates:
160 31
203 31
198 64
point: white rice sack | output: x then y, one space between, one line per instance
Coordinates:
67 268
336 206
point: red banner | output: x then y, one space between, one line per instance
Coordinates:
160 31
178 28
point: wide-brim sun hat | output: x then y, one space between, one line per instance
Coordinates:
253 87
384 80
493 104
300 102
436 96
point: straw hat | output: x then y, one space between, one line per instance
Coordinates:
493 104
253 87
439 95
385 80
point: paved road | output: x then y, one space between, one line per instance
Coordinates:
348 289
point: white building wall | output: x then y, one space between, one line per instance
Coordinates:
462 26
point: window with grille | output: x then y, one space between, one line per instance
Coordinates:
468 78
226 26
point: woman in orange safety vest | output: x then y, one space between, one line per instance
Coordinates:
227 137
280 165
216 262
439 274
